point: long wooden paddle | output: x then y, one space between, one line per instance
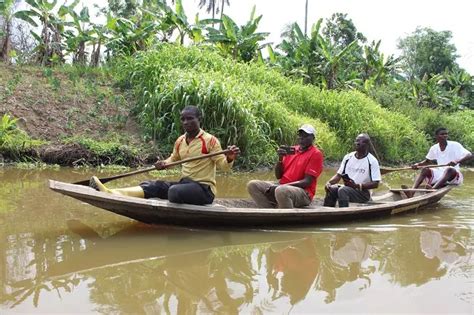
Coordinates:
386 170
108 179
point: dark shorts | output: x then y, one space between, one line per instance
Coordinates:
184 191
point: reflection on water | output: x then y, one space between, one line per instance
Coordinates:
59 254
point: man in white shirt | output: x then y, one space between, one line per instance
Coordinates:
450 153
360 172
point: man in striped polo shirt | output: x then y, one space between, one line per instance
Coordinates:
198 178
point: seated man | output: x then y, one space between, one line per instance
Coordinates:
445 152
198 183
297 169
360 172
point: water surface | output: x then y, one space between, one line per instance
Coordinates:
60 255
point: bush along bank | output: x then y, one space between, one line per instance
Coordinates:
250 105
256 107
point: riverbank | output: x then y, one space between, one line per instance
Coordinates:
73 117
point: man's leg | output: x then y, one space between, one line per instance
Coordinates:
258 191
425 174
348 194
449 174
156 188
331 196
190 192
135 191
291 197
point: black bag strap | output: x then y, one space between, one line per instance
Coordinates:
368 161
345 164
370 168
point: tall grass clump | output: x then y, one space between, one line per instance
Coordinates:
236 112
393 135
256 107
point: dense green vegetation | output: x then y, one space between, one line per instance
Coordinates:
330 77
268 106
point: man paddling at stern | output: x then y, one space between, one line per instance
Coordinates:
444 152
197 185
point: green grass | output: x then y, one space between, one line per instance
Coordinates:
256 107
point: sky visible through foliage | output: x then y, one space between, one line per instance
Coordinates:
377 20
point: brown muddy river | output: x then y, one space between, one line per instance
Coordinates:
58 255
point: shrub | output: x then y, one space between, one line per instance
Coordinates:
256 107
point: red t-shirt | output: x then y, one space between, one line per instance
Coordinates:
296 166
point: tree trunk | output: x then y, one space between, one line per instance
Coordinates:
5 46
213 12
95 56
306 18
222 8
80 55
56 45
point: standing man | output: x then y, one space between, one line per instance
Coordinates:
360 172
297 170
198 178
445 152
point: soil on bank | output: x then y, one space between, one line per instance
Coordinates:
53 104
58 104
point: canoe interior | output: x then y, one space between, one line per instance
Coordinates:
243 212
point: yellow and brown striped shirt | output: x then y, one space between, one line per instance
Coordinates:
202 171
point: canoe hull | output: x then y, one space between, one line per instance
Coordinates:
164 212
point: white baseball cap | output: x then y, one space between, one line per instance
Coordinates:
308 129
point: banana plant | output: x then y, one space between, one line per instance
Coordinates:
177 20
126 36
378 69
50 46
428 92
299 56
315 58
460 79
460 85
450 90
241 43
80 34
332 61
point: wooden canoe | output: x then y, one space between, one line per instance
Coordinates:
244 213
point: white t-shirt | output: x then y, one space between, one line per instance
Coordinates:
454 151
359 170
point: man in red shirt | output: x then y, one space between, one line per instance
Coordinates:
297 170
